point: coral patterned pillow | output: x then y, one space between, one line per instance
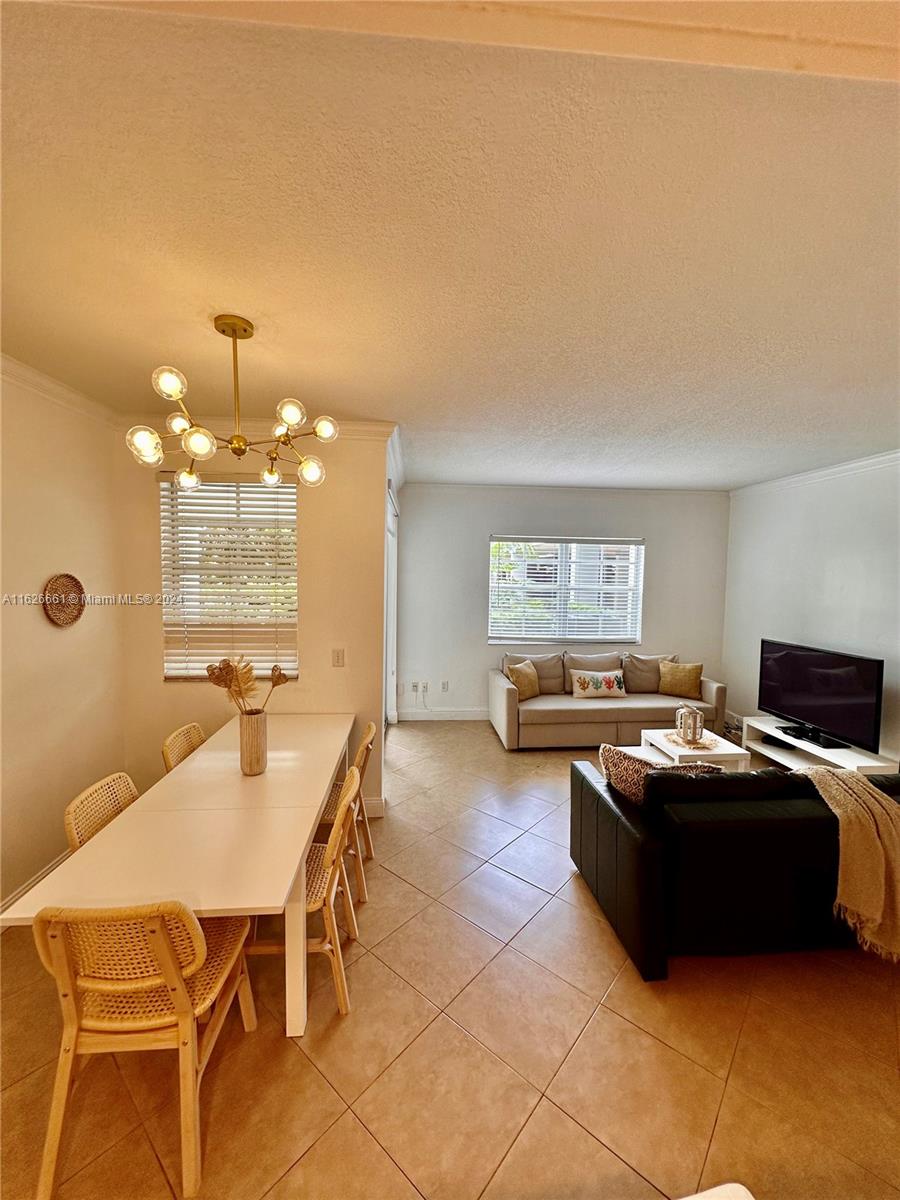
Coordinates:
628 774
597 685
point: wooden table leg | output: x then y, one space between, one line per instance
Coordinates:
295 957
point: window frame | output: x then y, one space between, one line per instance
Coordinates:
168 478
561 606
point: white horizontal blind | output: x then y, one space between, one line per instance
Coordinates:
229 572
578 589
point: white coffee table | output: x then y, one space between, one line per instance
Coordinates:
723 752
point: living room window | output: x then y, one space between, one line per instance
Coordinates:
569 590
229 576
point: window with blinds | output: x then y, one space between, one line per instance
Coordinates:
229 574
576 590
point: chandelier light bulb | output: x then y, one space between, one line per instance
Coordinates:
177 422
279 429
326 429
312 471
152 459
270 476
169 383
141 440
198 443
187 479
291 412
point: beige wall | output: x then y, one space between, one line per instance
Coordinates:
80 703
63 723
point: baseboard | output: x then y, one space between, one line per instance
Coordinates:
375 806
29 884
443 714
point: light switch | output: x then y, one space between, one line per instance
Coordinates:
337 658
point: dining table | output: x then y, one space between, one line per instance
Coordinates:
222 842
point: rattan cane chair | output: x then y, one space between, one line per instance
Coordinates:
139 979
356 844
96 806
326 874
181 744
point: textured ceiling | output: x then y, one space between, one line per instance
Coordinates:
547 267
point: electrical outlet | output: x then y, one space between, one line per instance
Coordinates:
415 686
337 658
445 685
425 686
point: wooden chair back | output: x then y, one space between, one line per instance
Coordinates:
361 761
180 744
343 818
96 806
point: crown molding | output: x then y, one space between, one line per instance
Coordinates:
396 468
19 373
858 466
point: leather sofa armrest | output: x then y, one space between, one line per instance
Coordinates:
503 708
714 693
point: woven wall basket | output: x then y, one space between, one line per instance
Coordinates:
63 599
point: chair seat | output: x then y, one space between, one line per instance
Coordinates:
316 877
153 1009
328 815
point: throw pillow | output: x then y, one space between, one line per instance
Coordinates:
680 679
590 662
642 671
628 774
525 677
602 685
549 669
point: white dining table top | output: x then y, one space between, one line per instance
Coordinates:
222 842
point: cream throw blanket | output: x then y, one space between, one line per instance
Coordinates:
868 896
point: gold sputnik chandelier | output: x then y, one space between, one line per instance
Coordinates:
200 445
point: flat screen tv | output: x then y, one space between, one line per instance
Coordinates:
832 699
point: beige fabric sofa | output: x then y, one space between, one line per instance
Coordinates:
560 719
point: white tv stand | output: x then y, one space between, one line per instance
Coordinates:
798 754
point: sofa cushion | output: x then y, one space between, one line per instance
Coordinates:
565 710
525 678
590 662
680 679
597 685
628 773
642 671
549 669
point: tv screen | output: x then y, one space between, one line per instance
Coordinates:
837 694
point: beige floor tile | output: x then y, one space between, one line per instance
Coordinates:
447 1111
151 1076
260 1110
463 789
127 1171
433 865
516 807
527 1016
20 966
429 772
396 789
495 900
392 901
99 1114
30 1031
391 833
428 812
776 1160
554 1157
386 1014
347 1163
735 971
500 768
577 892
438 952
552 787
267 974
852 1005
581 949
837 1094
536 860
396 757
689 1011
650 1105
480 834
555 827
857 959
